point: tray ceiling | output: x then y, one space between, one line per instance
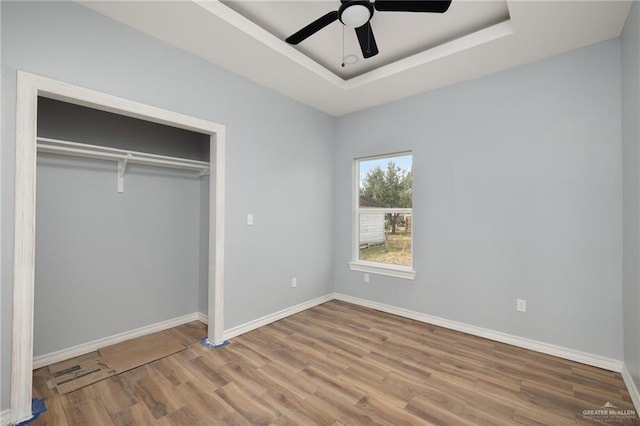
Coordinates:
418 51
398 34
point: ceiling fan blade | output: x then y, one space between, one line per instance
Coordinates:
432 6
313 27
367 41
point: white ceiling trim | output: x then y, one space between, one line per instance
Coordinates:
220 35
460 44
265 37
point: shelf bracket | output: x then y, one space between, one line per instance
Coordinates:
122 168
204 172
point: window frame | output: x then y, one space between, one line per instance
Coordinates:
366 266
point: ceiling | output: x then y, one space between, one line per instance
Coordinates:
398 34
418 51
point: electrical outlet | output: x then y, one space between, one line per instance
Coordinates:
294 282
521 305
250 219
366 278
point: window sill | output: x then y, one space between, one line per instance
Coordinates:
388 270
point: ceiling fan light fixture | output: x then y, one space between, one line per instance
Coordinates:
350 59
355 15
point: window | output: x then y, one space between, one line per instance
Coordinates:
383 220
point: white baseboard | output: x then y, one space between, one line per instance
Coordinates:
5 417
632 388
203 318
268 319
559 351
61 355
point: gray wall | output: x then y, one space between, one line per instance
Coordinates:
631 186
109 262
517 194
279 152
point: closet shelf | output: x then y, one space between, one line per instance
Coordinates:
122 156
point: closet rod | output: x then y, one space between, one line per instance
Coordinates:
102 152
123 157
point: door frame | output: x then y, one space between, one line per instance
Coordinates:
29 88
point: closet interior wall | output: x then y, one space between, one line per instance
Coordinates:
109 262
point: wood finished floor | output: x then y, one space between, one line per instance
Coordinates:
341 364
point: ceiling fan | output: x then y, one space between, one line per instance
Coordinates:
357 14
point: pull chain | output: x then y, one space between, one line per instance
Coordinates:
342 46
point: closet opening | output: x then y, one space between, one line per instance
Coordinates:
139 251
128 228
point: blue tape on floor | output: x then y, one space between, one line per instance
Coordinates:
37 408
205 342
